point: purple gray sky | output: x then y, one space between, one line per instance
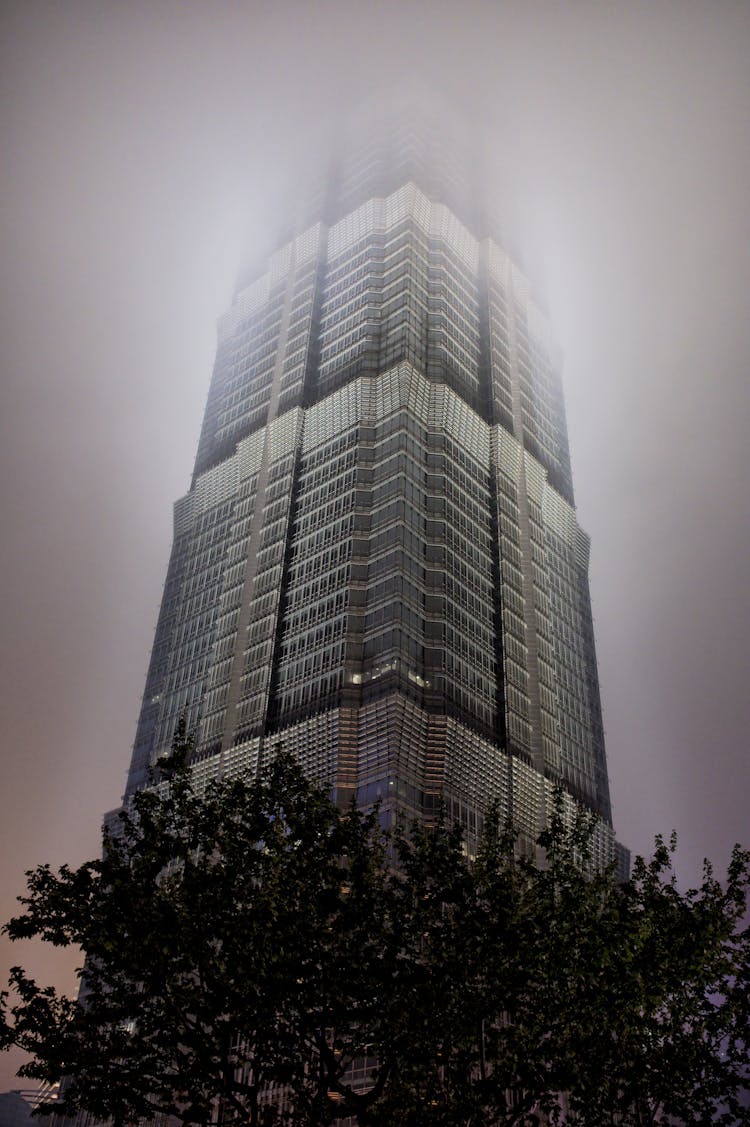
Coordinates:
143 144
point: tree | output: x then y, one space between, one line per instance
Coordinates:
555 993
258 952
214 967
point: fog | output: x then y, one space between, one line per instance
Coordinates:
145 150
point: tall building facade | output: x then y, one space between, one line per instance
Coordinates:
378 564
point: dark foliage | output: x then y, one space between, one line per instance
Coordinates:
255 950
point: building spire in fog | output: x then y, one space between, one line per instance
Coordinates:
378 564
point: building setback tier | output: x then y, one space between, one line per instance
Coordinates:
378 564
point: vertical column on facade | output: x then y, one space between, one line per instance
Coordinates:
435 628
434 763
302 393
279 476
348 777
523 532
383 526
489 326
238 667
230 601
310 666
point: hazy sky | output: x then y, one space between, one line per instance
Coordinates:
143 143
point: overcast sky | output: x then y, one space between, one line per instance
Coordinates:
144 143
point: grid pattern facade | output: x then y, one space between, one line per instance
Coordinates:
378 563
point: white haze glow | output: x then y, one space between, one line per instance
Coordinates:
144 145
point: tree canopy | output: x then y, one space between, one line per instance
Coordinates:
257 952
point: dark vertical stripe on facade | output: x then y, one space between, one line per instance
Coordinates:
272 710
485 378
307 398
312 361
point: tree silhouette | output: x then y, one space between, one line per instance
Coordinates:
255 953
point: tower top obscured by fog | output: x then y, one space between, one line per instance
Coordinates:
378 564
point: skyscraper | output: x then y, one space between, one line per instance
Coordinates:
378 563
